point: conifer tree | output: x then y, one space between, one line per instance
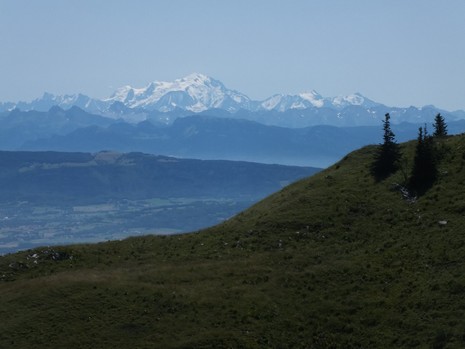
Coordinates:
424 171
387 157
440 127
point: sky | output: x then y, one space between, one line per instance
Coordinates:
396 52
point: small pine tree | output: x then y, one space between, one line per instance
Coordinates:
424 171
387 157
440 127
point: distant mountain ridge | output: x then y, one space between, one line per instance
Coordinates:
164 102
207 137
212 134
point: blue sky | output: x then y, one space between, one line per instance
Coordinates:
395 52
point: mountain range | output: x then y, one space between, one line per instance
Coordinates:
163 102
204 137
198 117
195 93
199 136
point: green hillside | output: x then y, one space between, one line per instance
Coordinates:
336 260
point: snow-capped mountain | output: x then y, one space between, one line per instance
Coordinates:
198 92
195 92
49 100
313 99
163 102
282 102
341 102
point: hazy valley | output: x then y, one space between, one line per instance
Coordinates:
52 198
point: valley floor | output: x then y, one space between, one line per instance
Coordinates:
26 225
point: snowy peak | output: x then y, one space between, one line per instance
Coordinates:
303 100
197 79
49 100
284 102
195 92
354 99
313 99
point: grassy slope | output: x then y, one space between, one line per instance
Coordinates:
335 260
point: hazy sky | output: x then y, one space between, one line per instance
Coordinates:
397 52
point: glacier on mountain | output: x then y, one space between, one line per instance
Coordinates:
195 92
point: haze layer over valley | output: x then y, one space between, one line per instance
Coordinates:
199 117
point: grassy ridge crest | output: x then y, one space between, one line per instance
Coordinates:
336 260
